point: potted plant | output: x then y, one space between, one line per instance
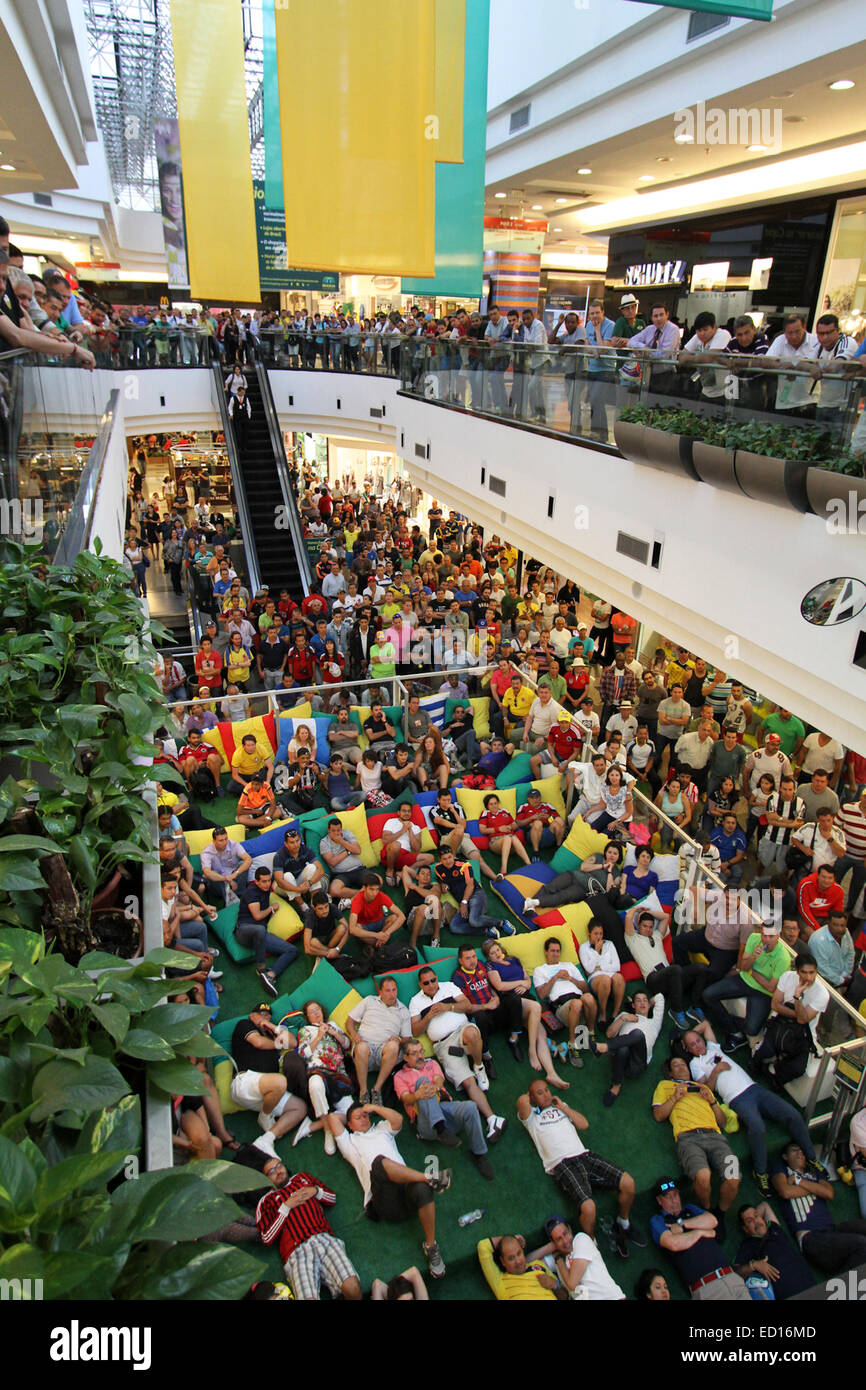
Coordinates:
713 455
773 459
838 495
77 708
666 439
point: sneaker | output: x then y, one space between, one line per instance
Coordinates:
442 1180
435 1262
506 929
330 1143
489 1066
268 981
364 1098
636 1236
493 933
535 859
216 974
681 1020
573 1055
344 904
484 1166
266 1122
375 1097
620 1240
496 1127
447 1139
214 951
762 1182
696 1015
435 943
303 1130
735 1042
530 905
481 1078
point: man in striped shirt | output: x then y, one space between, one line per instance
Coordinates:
851 820
294 1213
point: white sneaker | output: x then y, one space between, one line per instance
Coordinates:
529 905
302 1130
266 1122
481 1078
344 904
330 1143
216 974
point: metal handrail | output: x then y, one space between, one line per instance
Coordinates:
279 450
252 559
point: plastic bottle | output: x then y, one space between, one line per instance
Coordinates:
469 1217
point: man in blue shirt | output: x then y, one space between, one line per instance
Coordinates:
803 1187
600 371
689 1235
730 841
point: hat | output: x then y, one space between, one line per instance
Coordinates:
564 717
773 738
587 700
533 791
551 1224
625 704
664 1185
264 1008
627 299
581 627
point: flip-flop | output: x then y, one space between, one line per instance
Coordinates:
232 1144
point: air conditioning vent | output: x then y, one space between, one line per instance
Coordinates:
43 200
376 412
633 547
420 451
497 485
519 118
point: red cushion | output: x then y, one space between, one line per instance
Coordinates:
629 970
376 824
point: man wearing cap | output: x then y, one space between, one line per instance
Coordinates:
623 722
563 744
690 1236
628 323
769 759
545 826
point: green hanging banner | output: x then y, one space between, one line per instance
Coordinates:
738 9
271 111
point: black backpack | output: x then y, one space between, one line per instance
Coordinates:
202 785
384 959
351 968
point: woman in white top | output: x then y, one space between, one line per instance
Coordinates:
234 381
302 738
601 966
369 772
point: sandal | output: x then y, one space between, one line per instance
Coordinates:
231 1143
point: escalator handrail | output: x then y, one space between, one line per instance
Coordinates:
279 450
250 552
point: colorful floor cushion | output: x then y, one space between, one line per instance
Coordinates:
377 822
318 726
522 883
480 706
517 769
224 930
226 737
551 792
301 711
197 839
583 841
286 922
472 801
355 821
575 916
528 947
270 840
315 829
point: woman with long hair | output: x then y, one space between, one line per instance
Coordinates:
332 664
431 764
505 973
616 804
324 1047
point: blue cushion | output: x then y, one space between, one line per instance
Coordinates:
287 728
520 884
269 841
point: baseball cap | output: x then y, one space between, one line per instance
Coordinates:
264 1008
587 700
533 791
564 717
627 299
665 1185
551 1224
773 738
581 627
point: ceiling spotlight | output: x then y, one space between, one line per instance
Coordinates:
684 139
584 171
9 168
500 195
561 200
557 229
842 84
755 149
537 207
664 159
647 178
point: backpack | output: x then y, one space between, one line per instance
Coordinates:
202 785
351 968
384 959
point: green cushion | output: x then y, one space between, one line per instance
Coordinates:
315 829
563 860
325 984
519 769
394 713
452 705
223 929
222 1032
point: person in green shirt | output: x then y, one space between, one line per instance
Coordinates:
763 961
383 657
629 321
554 680
789 728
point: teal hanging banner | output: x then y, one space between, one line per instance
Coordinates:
460 187
271 111
738 9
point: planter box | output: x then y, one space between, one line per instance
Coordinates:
715 465
630 440
781 482
836 496
671 453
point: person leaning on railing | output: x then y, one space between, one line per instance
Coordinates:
22 334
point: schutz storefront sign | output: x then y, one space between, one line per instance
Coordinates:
655 273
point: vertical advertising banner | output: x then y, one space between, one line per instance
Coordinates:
167 145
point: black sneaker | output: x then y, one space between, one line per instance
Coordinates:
447 1139
762 1182
635 1235
735 1042
620 1240
269 982
484 1166
489 1066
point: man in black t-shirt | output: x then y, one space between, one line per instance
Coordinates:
259 1083
380 730
297 871
766 1250
325 932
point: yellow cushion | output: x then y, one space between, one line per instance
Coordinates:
285 922
472 800
222 1076
551 792
214 738
339 1014
302 711
355 821
528 947
583 841
198 839
481 715
363 712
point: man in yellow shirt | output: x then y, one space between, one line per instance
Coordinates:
511 1276
697 1120
249 759
516 703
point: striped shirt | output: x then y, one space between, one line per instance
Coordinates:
852 822
293 1225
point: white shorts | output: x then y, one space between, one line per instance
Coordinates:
246 1093
457 1068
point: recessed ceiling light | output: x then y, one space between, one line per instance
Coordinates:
664 159
842 84
684 139
557 229
647 178
500 195
755 149
561 200
794 120
537 207
10 168
584 171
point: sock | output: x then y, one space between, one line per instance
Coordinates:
623 1221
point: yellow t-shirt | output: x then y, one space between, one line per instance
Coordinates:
692 1112
247 763
511 1288
517 709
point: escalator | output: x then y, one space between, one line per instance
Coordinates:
275 550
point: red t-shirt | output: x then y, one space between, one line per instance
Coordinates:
496 823
314 606
371 912
563 741
500 681
212 682
200 753
527 810
300 664
623 629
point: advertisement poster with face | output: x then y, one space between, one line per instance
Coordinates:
167 146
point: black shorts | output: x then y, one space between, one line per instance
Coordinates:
577 1177
395 1201
352 878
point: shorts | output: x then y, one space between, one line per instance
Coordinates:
578 1177
703 1148
560 1007
395 1201
376 1051
457 1069
404 858
352 878
245 1092
321 1259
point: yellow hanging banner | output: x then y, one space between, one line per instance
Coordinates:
450 64
357 93
212 117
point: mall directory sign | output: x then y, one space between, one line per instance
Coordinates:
740 9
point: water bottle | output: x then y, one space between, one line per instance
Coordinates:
469 1217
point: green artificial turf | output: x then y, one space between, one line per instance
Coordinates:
522 1197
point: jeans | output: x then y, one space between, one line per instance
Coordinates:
858 876
346 803
627 1055
467 746
860 1181
478 918
841 1248
455 1115
758 1005
265 943
673 980
772 856
194 934
272 680
756 1104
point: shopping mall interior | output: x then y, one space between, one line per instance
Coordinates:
413 418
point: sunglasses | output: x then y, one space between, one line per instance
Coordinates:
667 1186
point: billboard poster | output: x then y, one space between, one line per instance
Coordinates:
167 148
275 273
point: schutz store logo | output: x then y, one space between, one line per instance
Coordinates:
77 1343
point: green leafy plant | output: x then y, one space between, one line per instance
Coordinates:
78 1047
78 706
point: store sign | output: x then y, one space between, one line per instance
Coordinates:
655 273
514 224
275 273
100 271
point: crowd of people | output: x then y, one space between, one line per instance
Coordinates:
643 748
